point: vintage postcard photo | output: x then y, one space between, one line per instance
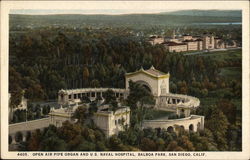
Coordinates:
115 80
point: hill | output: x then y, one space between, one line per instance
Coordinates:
210 13
129 20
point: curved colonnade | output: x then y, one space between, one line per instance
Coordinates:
181 104
65 96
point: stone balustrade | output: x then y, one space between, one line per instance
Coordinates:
64 96
177 101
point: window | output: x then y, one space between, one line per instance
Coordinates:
163 91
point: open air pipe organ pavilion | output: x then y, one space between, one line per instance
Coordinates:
157 83
111 122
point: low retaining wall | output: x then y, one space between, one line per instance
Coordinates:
29 125
194 123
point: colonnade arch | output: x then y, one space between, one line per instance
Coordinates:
170 129
145 85
64 96
20 136
191 127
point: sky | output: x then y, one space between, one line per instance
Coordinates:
99 11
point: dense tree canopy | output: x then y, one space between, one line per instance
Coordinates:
43 61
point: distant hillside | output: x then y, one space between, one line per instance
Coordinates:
129 20
212 13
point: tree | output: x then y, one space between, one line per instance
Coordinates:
139 99
110 99
173 146
80 114
185 143
218 124
34 142
226 39
138 93
148 145
15 87
86 146
180 68
115 144
69 131
85 75
53 144
229 109
109 96
160 143
95 83
92 108
100 146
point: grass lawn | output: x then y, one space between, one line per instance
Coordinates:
225 55
156 114
231 72
213 100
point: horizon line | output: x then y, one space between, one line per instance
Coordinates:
98 12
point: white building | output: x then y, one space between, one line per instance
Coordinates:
112 122
193 43
155 81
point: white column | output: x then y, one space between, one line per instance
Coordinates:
24 137
178 111
13 139
187 112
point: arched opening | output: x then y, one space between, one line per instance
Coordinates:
198 126
182 111
158 130
182 114
182 128
19 137
145 85
191 127
147 88
170 129
28 135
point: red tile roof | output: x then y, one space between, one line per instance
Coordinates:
173 44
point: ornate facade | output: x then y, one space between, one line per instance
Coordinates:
156 81
111 122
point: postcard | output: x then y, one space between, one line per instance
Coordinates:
125 79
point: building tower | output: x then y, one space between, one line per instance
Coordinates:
173 34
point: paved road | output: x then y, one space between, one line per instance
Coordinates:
209 51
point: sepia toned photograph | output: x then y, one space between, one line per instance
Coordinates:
104 82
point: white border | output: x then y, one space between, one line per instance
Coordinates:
6 6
